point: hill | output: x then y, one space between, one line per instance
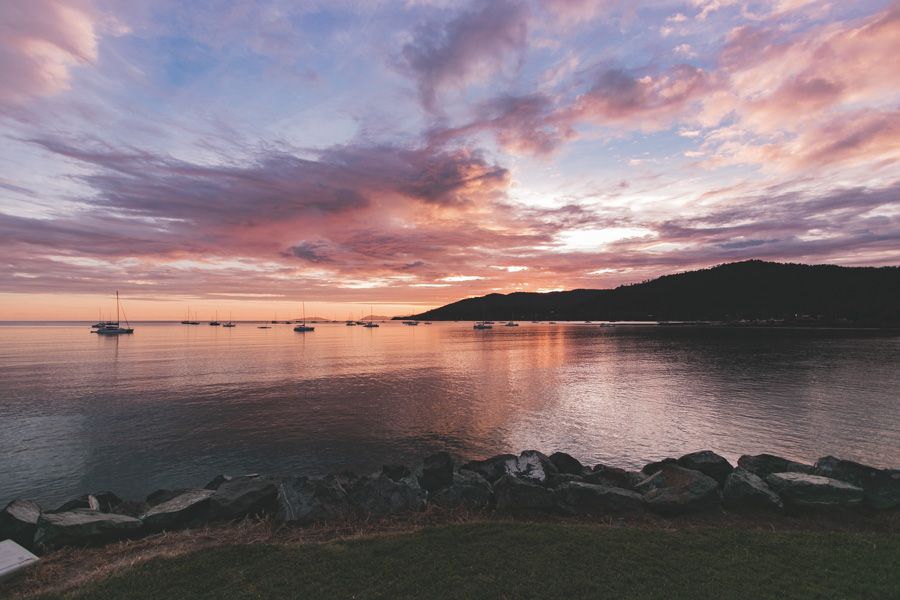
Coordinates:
752 290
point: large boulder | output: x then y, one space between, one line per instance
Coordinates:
83 527
468 490
558 479
98 501
304 500
763 465
744 490
381 496
160 496
242 497
799 490
437 472
396 472
566 463
18 522
188 509
709 463
530 465
674 490
881 486
613 476
516 495
654 467
579 498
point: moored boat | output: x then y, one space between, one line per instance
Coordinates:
115 328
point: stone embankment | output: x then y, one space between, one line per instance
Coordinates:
528 483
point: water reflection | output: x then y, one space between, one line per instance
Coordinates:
173 405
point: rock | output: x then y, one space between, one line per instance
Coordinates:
530 464
709 463
469 490
763 465
131 508
381 496
613 476
160 496
82 527
654 467
437 472
242 497
492 468
218 480
744 490
86 502
578 498
881 486
674 490
188 509
18 522
560 478
566 463
304 500
800 490
396 472
517 495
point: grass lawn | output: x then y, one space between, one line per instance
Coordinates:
530 560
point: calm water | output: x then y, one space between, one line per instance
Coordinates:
173 405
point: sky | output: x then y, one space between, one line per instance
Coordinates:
245 156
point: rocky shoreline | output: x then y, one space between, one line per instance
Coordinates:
528 483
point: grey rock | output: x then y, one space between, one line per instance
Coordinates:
82 527
654 467
218 480
160 496
469 490
613 476
18 522
304 500
381 496
188 509
242 497
674 490
744 490
800 490
578 498
566 463
561 478
437 471
396 472
881 486
530 465
516 495
709 463
763 465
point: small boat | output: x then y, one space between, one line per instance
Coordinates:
230 322
350 323
188 321
215 322
411 323
482 325
552 322
428 322
511 324
263 327
302 327
113 328
370 324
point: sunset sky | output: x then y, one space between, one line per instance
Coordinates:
243 156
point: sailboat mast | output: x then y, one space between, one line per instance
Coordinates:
117 306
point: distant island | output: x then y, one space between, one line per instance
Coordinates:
752 292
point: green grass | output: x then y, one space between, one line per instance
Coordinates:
522 560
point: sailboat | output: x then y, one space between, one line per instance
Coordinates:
189 321
230 322
482 325
350 322
370 323
111 328
303 327
215 322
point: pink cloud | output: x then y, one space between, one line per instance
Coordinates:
41 41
